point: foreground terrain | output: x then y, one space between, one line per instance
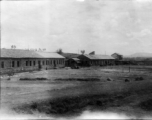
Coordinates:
70 92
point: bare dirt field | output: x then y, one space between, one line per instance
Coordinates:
70 92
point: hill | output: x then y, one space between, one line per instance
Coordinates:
145 55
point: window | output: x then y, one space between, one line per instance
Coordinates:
30 63
18 63
26 63
13 63
2 64
43 63
34 63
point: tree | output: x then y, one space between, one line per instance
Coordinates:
82 51
13 47
59 51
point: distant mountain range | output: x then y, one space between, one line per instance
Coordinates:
145 55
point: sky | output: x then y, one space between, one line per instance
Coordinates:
103 26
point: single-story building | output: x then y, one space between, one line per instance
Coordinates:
17 60
70 57
96 60
117 56
73 62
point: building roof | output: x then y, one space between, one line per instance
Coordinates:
98 57
70 55
49 55
19 53
117 54
75 59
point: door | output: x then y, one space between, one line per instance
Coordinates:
54 63
39 65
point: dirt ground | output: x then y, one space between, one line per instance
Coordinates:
68 92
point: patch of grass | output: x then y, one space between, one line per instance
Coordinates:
117 94
66 106
70 106
146 105
10 74
78 79
33 79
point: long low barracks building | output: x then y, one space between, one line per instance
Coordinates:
17 60
96 60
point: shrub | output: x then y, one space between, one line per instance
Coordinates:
109 79
79 79
126 80
146 105
32 79
139 78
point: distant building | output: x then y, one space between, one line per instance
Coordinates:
117 56
70 55
17 60
70 58
96 60
73 62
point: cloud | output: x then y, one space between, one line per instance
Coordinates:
90 25
80 0
143 1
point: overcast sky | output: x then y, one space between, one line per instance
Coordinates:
123 26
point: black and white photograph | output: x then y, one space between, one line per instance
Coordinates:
75 59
